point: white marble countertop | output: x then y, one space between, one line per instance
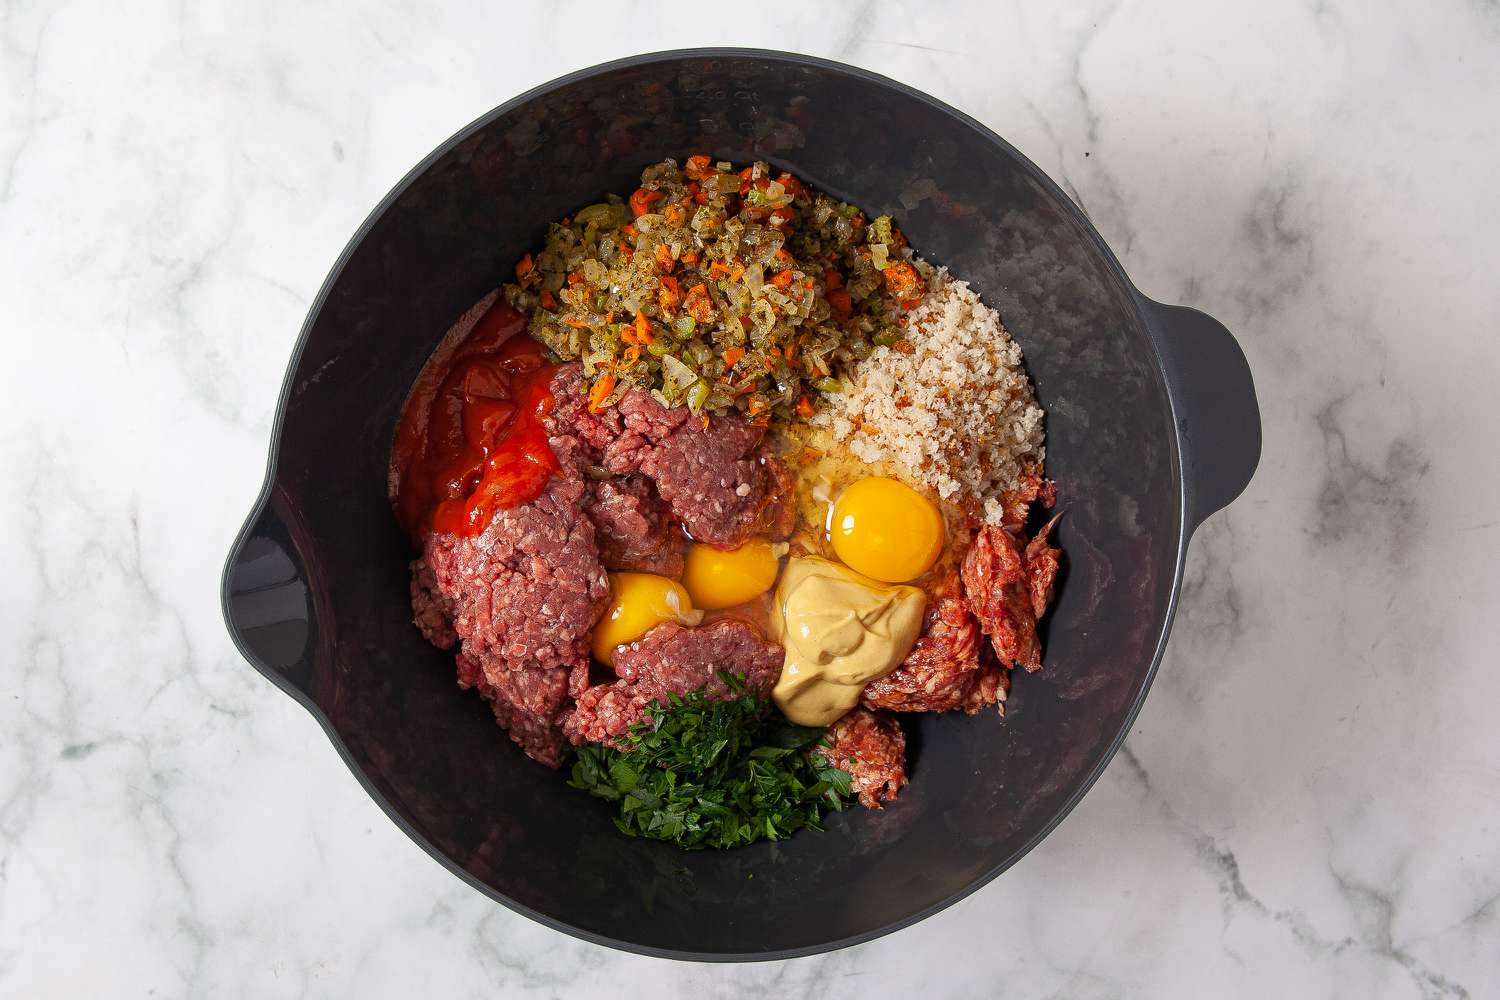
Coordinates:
1309 804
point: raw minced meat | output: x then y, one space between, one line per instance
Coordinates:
673 659
871 747
633 527
713 472
944 670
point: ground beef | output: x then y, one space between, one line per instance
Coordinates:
570 415
872 748
526 591
671 658
717 479
633 527
943 671
522 596
432 611
535 732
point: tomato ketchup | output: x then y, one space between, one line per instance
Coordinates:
472 438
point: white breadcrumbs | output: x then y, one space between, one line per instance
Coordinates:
956 413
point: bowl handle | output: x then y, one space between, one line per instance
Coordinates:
268 604
1213 397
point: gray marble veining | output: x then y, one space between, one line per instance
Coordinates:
1309 804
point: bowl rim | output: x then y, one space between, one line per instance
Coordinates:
263 500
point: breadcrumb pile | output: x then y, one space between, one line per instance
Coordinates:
951 406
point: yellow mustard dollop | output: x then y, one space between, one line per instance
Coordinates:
841 631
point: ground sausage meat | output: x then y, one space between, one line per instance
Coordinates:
943 671
872 748
1042 561
671 658
997 586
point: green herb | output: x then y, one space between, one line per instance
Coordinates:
703 773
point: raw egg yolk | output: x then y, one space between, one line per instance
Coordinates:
638 602
886 530
719 579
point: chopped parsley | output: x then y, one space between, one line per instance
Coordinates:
703 773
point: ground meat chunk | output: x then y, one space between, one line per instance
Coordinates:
1009 588
1016 504
432 610
995 583
943 671
671 658
633 527
526 591
535 732
718 480
1042 561
570 417
522 597
872 748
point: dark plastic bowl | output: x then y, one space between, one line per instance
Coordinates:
1152 426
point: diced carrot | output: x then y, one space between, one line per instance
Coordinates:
903 281
698 166
841 303
548 302
782 257
664 258
736 270
733 356
782 280
629 230
642 200
576 322
524 266
793 185
599 391
675 215
630 356
690 257
832 279
669 295
575 278
643 329
790 353
697 304
804 408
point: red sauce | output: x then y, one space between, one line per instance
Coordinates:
472 438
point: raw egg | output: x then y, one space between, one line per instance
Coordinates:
886 530
719 579
638 602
